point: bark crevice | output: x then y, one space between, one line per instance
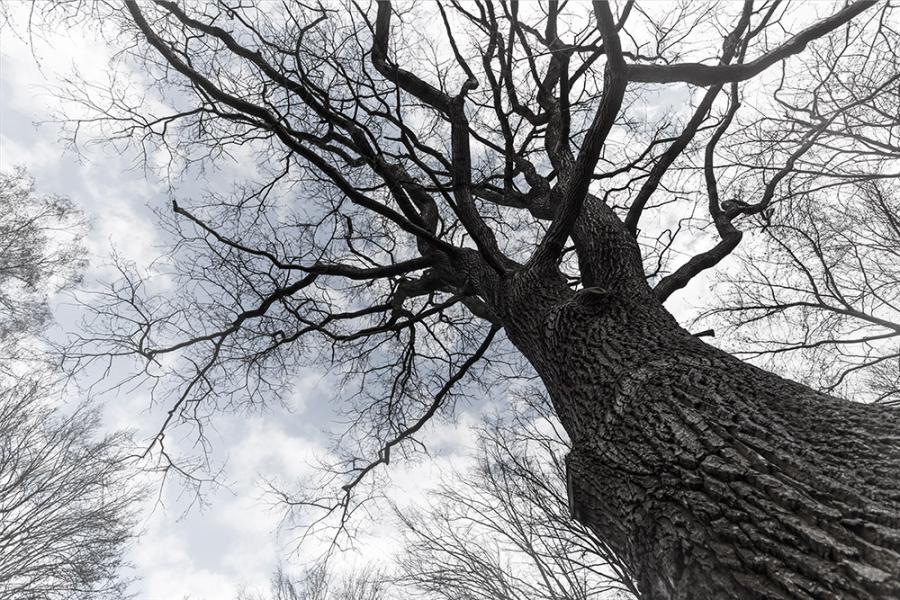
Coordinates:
714 479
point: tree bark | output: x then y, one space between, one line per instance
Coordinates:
709 477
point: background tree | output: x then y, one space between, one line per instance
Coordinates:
67 500
430 177
40 254
67 505
318 583
823 284
502 530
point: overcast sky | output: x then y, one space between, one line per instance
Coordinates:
187 550
200 551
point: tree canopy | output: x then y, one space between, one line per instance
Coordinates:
466 192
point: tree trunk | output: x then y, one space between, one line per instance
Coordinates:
709 477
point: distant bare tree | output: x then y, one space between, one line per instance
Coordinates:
503 531
367 584
40 253
317 583
823 283
67 501
824 288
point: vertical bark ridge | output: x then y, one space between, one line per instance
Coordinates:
608 256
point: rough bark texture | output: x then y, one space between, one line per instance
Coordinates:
711 478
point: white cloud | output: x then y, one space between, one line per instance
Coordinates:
168 570
205 554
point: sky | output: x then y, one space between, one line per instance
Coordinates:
230 540
188 550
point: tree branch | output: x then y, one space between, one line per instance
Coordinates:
704 75
576 186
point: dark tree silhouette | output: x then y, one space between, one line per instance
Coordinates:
436 181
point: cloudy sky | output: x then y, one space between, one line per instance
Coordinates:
230 540
199 553
194 550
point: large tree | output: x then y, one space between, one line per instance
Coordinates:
436 183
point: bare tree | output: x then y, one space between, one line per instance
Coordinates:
67 505
367 584
40 253
823 286
440 185
318 583
503 530
824 289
